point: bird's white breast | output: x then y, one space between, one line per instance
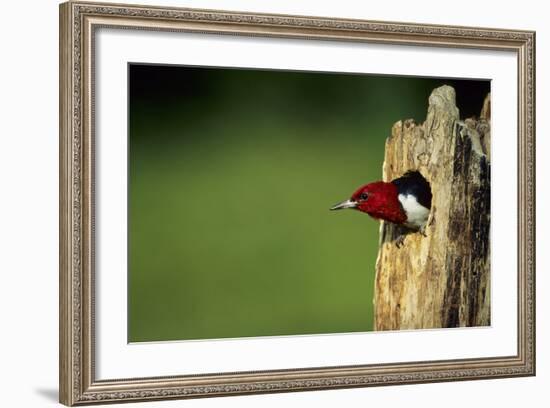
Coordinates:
417 214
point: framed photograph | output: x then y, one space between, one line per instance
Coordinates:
256 203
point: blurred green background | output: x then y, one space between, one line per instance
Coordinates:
231 175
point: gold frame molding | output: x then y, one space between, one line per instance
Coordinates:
78 22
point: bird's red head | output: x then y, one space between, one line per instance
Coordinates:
378 199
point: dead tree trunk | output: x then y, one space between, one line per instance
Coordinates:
441 279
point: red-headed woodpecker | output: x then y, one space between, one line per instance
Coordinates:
406 201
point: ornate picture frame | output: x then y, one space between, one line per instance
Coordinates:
79 22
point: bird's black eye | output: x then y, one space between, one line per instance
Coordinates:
363 196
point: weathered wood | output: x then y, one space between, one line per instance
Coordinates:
441 279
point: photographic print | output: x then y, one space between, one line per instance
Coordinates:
278 203
258 203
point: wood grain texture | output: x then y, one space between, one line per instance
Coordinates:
441 279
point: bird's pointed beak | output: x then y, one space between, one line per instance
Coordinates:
344 204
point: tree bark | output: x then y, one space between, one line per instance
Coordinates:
441 279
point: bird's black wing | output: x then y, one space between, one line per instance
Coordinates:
412 182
